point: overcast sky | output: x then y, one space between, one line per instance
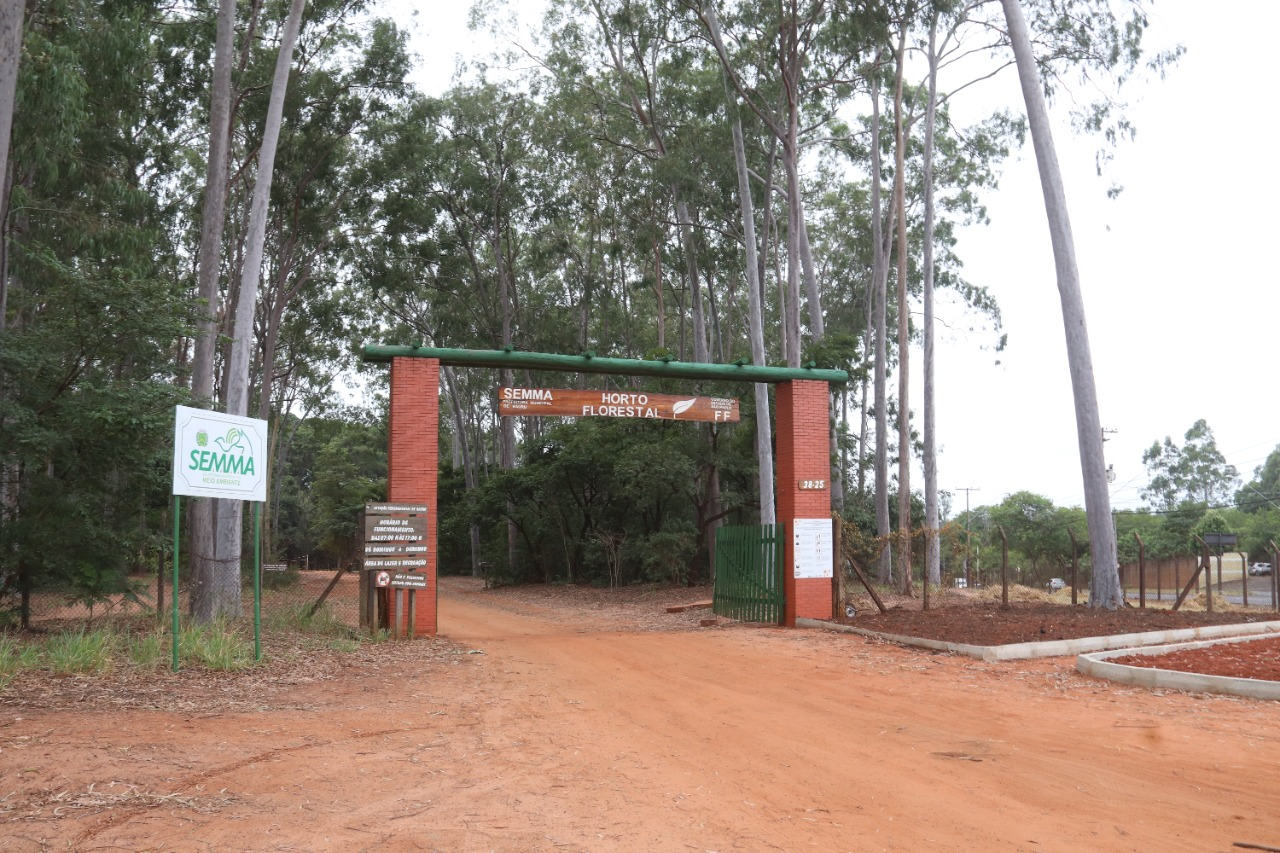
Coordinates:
1179 291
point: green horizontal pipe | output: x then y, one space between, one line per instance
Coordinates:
382 354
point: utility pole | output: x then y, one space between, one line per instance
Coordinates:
968 542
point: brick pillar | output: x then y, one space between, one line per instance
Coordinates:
413 465
804 454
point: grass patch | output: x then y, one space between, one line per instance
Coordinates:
81 652
298 617
147 651
16 657
216 646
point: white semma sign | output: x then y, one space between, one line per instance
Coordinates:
216 455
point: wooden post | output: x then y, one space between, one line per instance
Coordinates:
1075 564
1202 566
337 576
160 585
1244 577
1208 599
1142 571
1275 575
857 570
837 586
1004 568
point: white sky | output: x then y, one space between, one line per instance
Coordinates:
1181 300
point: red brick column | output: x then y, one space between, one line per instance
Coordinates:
413 465
804 453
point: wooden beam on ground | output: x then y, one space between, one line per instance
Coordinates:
693 605
862 577
337 576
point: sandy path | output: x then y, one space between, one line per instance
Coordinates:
564 737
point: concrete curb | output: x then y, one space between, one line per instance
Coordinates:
1058 648
1098 666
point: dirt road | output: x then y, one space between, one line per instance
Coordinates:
566 736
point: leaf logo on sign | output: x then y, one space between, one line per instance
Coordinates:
683 406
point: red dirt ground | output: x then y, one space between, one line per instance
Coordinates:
586 720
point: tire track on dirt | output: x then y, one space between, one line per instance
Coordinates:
124 814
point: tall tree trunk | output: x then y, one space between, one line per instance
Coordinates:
755 315
792 316
468 467
904 328
658 292
1104 589
224 597
866 357
816 327
206 572
933 547
880 283
11 14
699 321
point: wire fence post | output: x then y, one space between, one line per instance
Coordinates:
1075 564
1004 568
1275 575
1142 571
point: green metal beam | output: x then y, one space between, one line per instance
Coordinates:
590 363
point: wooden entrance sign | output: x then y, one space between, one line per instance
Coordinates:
564 402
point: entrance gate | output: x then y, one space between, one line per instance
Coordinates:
749 573
802 458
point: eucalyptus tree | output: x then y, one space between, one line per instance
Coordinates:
1092 40
217 594
793 63
1196 471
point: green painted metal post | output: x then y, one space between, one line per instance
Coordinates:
173 593
668 368
257 580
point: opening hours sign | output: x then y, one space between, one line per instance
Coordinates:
565 402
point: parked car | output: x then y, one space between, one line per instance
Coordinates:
1056 584
1260 569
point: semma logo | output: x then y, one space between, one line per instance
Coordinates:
233 456
219 455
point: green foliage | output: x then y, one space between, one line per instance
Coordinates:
1196 471
81 652
1211 522
1039 533
1263 491
638 480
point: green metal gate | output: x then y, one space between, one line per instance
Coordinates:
749 573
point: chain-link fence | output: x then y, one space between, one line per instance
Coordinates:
290 593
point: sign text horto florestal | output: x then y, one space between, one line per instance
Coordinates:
566 402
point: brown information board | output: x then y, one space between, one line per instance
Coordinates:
395 536
564 402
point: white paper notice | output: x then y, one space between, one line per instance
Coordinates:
813 539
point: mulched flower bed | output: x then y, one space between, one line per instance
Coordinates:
984 623
1258 659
